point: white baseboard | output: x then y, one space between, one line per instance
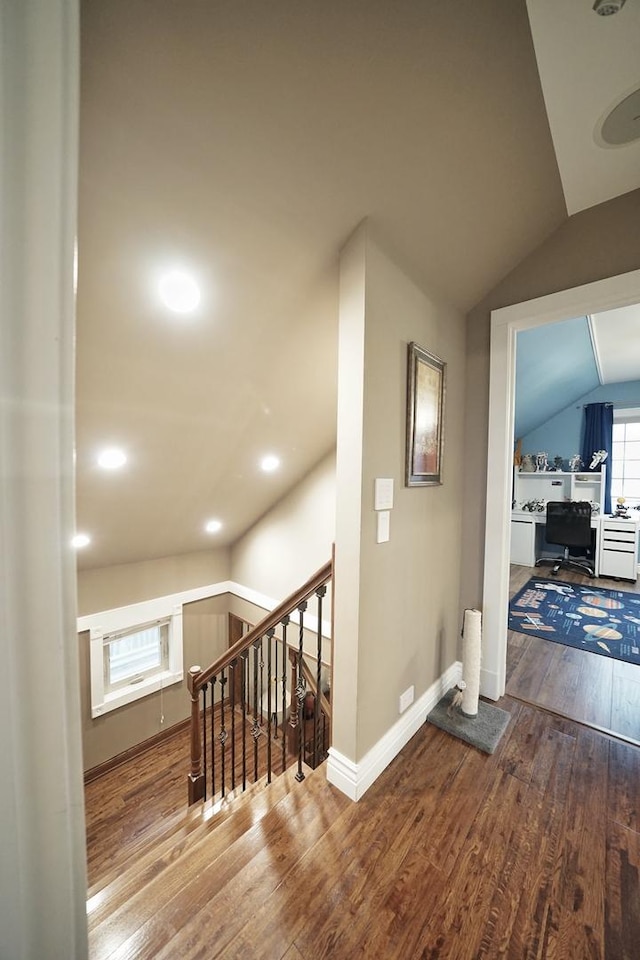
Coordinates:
354 779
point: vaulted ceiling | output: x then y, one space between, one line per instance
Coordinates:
560 363
589 70
244 142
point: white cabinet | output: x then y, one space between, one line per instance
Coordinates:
618 548
523 541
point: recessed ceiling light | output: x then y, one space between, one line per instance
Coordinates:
179 292
111 458
213 526
80 540
270 463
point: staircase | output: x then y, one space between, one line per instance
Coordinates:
200 884
268 682
193 883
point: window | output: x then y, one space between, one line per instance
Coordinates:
625 457
132 655
134 651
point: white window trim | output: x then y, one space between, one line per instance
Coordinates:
123 618
126 618
624 414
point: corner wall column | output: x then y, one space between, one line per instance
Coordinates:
42 860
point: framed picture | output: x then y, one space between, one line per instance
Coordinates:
425 417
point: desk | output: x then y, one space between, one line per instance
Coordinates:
615 547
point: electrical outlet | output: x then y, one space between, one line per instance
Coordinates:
406 698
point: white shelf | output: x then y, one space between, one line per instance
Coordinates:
558 485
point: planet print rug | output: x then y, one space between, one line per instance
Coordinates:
583 616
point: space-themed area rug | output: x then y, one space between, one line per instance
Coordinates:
583 616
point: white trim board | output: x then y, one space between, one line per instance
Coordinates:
354 779
119 618
171 607
620 291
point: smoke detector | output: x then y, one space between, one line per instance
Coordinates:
605 8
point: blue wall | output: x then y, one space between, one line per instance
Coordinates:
554 367
561 435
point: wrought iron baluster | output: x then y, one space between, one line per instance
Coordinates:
261 687
222 736
301 691
213 738
234 667
270 634
285 623
275 687
320 592
255 728
204 738
245 671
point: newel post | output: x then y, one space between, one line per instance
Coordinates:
195 780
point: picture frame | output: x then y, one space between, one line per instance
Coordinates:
426 375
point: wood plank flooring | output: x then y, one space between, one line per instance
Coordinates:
584 686
134 802
533 852
127 805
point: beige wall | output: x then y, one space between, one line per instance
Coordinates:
597 243
204 627
42 835
290 542
293 539
204 638
118 586
406 625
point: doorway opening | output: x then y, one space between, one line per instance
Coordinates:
596 297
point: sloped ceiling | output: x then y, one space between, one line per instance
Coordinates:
245 142
559 363
588 64
555 365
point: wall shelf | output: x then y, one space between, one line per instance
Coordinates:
558 485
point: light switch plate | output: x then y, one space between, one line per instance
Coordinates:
383 496
382 534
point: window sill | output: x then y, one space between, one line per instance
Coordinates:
135 691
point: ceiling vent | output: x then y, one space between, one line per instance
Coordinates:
621 123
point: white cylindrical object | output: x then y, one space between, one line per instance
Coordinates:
471 648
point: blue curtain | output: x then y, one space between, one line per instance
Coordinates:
598 435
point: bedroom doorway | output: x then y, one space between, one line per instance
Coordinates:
499 661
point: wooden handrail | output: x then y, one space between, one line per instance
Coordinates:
196 681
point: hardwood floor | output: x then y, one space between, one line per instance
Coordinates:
136 801
533 852
584 686
125 806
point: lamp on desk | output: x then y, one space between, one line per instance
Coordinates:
621 510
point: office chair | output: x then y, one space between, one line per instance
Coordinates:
568 523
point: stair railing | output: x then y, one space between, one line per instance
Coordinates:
254 671
316 725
